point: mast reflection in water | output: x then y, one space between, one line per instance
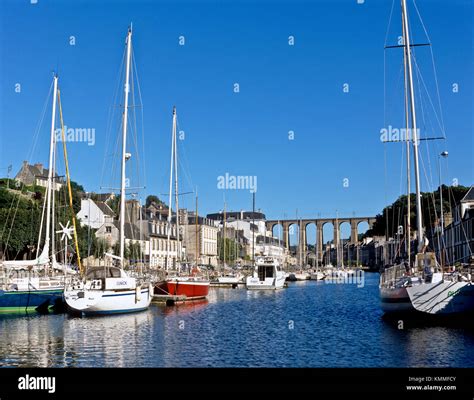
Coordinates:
311 324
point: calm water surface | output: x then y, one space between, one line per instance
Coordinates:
310 324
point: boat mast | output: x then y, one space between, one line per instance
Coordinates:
178 243
225 215
407 48
52 145
125 156
336 239
170 193
407 125
52 167
253 228
198 255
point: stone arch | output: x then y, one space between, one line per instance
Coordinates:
327 239
277 230
293 237
311 243
344 245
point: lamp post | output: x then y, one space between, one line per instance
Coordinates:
444 154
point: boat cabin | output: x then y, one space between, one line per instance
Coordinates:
104 272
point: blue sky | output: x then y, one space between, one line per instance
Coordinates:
282 88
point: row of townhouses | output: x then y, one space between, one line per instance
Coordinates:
198 239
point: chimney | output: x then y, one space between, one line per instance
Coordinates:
40 167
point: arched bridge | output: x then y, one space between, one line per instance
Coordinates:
319 223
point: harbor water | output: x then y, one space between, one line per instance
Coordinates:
309 324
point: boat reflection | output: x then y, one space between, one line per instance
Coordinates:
185 307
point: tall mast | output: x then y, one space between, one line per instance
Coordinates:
197 232
253 231
178 243
225 216
53 205
170 193
336 239
124 147
407 125
52 145
419 218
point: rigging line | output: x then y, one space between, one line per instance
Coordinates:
68 180
134 134
389 22
385 122
434 67
441 125
111 116
427 145
30 154
142 120
184 165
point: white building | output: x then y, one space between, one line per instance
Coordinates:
254 230
160 254
206 239
95 213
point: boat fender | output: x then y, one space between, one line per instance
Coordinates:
137 294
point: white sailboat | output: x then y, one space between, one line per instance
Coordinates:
430 290
441 293
109 290
44 285
395 280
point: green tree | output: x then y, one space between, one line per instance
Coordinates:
395 214
232 249
153 199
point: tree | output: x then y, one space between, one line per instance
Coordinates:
101 248
153 199
395 214
232 249
134 251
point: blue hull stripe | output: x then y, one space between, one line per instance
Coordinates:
114 311
124 294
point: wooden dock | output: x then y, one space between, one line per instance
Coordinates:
169 299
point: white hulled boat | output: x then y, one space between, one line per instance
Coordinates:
109 290
267 275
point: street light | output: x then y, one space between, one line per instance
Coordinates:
444 154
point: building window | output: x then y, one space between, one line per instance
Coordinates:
108 229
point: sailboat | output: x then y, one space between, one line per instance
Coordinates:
192 285
429 290
338 273
226 278
395 280
109 289
44 285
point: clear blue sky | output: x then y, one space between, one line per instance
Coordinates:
282 88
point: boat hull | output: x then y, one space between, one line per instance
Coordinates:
98 302
190 289
254 283
229 279
395 300
445 297
15 301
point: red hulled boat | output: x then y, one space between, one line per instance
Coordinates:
191 287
